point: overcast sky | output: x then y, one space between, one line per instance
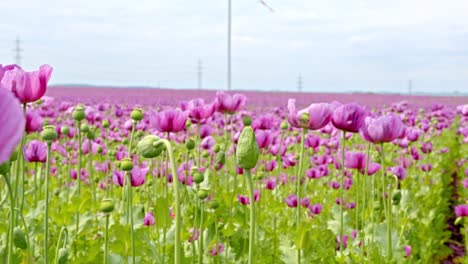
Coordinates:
336 45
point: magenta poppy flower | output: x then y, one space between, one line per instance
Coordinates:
171 120
264 138
383 129
35 151
355 160
349 117
12 124
305 202
206 130
4 69
208 143
243 199
199 111
225 103
217 249
317 115
270 184
465 183
149 220
27 86
264 122
137 176
407 250
316 209
194 234
291 200
372 169
33 122
461 210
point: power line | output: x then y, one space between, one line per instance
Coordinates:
200 74
299 83
17 51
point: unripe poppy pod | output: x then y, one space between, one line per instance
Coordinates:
190 144
107 205
49 133
284 125
65 130
247 121
247 152
19 239
105 123
84 128
78 113
126 164
198 177
150 146
62 256
213 204
202 194
137 114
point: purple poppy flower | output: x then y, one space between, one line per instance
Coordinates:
291 200
199 111
33 122
349 117
465 183
355 160
270 184
316 209
225 103
315 116
12 124
461 210
35 151
243 199
383 129
137 176
208 143
407 250
399 171
305 202
149 220
372 169
27 86
217 249
264 138
171 120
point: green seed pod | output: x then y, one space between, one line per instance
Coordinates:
213 204
137 114
190 144
126 164
216 148
107 205
150 146
57 192
221 157
62 256
396 198
105 123
65 130
99 149
193 170
305 118
284 125
49 134
188 123
458 220
198 177
247 121
125 141
91 135
260 175
84 128
19 240
78 113
205 154
202 194
247 149
5 168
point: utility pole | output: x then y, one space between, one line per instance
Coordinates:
229 46
410 86
200 74
17 51
299 83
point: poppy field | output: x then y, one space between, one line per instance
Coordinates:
95 175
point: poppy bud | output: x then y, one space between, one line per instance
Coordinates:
62 256
150 146
188 123
216 148
202 194
49 134
126 164
78 113
198 177
105 123
65 130
137 114
91 135
284 125
84 128
247 121
247 149
19 240
107 205
221 157
190 144
5 168
213 204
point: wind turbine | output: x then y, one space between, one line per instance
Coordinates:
229 38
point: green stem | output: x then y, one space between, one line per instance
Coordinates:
106 245
200 244
64 229
298 191
175 181
341 190
46 216
252 216
363 219
389 214
78 177
28 239
10 224
21 165
130 212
